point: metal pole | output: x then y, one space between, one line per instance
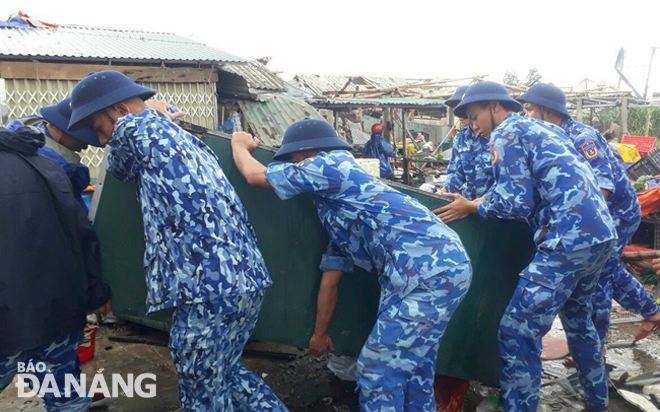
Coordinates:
648 75
406 160
624 115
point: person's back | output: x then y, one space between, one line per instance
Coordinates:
381 229
422 267
378 148
571 214
44 236
194 221
50 273
201 256
622 200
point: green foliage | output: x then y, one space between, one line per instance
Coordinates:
648 277
601 118
533 77
511 78
640 184
637 121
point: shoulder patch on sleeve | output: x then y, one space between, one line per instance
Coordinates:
494 156
589 149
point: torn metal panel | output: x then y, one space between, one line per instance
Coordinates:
396 102
269 119
257 76
320 84
358 136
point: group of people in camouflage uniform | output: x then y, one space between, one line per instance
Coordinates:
202 258
562 178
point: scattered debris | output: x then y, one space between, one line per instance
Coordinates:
638 400
137 339
554 348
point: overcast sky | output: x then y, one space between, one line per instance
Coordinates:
566 41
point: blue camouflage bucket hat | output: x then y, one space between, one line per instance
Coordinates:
546 95
100 90
309 134
485 92
59 116
456 98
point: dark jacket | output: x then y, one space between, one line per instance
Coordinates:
50 272
378 148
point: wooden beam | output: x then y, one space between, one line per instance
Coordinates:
640 254
624 115
579 110
70 71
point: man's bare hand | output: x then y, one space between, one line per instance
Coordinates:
318 344
656 266
162 106
243 139
456 210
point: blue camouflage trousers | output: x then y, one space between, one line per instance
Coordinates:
616 282
555 282
396 366
60 357
206 342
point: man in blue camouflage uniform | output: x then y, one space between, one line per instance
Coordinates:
422 267
469 172
548 103
59 358
201 252
541 179
62 144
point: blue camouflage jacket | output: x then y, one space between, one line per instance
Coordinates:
469 172
541 178
369 223
378 148
199 243
622 200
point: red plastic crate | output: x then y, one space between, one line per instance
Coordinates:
643 144
86 349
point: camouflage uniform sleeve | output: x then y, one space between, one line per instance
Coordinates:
314 175
455 174
593 147
512 194
335 259
128 152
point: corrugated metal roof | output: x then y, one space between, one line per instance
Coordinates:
257 76
69 41
269 119
319 84
407 102
358 136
